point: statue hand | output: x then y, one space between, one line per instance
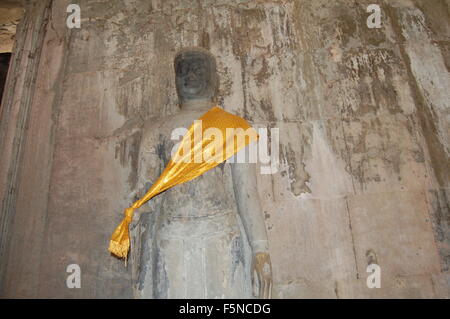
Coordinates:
262 275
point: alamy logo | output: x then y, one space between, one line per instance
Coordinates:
74 18
374 20
74 279
374 279
217 147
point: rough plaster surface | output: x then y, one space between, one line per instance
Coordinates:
364 132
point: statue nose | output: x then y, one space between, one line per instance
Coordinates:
191 76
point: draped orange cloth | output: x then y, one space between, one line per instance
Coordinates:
211 140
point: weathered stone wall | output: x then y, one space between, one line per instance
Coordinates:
364 132
10 14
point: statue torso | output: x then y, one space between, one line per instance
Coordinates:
209 194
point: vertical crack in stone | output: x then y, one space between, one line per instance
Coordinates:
353 239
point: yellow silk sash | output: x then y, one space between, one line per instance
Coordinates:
211 140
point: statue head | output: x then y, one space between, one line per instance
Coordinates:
195 75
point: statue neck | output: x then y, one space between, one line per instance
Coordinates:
197 105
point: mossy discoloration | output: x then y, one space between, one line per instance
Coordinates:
297 173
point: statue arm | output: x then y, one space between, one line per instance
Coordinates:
150 163
249 206
142 228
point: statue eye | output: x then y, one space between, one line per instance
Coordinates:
183 68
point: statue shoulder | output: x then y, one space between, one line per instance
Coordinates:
157 130
155 126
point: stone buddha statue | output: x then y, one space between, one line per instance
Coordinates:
205 238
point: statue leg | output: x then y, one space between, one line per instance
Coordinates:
225 266
201 258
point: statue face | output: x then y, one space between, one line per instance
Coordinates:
195 75
192 76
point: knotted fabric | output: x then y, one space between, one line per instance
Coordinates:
210 140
